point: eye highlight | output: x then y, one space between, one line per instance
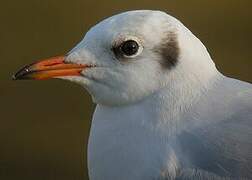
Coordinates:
129 47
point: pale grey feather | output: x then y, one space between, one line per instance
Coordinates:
218 142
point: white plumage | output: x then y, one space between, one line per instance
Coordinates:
163 112
185 122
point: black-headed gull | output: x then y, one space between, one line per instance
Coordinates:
163 110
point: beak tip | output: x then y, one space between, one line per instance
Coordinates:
21 74
16 77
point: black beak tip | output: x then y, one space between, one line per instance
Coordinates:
19 75
23 73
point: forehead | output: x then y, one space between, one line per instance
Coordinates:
145 25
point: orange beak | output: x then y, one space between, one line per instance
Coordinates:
49 68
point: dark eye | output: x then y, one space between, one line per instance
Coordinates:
129 47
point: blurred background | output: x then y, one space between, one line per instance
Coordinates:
44 125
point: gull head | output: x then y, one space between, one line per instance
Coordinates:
128 57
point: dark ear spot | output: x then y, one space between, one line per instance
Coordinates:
168 51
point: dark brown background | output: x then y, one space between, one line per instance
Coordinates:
44 125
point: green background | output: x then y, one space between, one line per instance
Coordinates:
44 125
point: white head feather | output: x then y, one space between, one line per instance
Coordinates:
168 54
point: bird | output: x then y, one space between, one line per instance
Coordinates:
163 109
